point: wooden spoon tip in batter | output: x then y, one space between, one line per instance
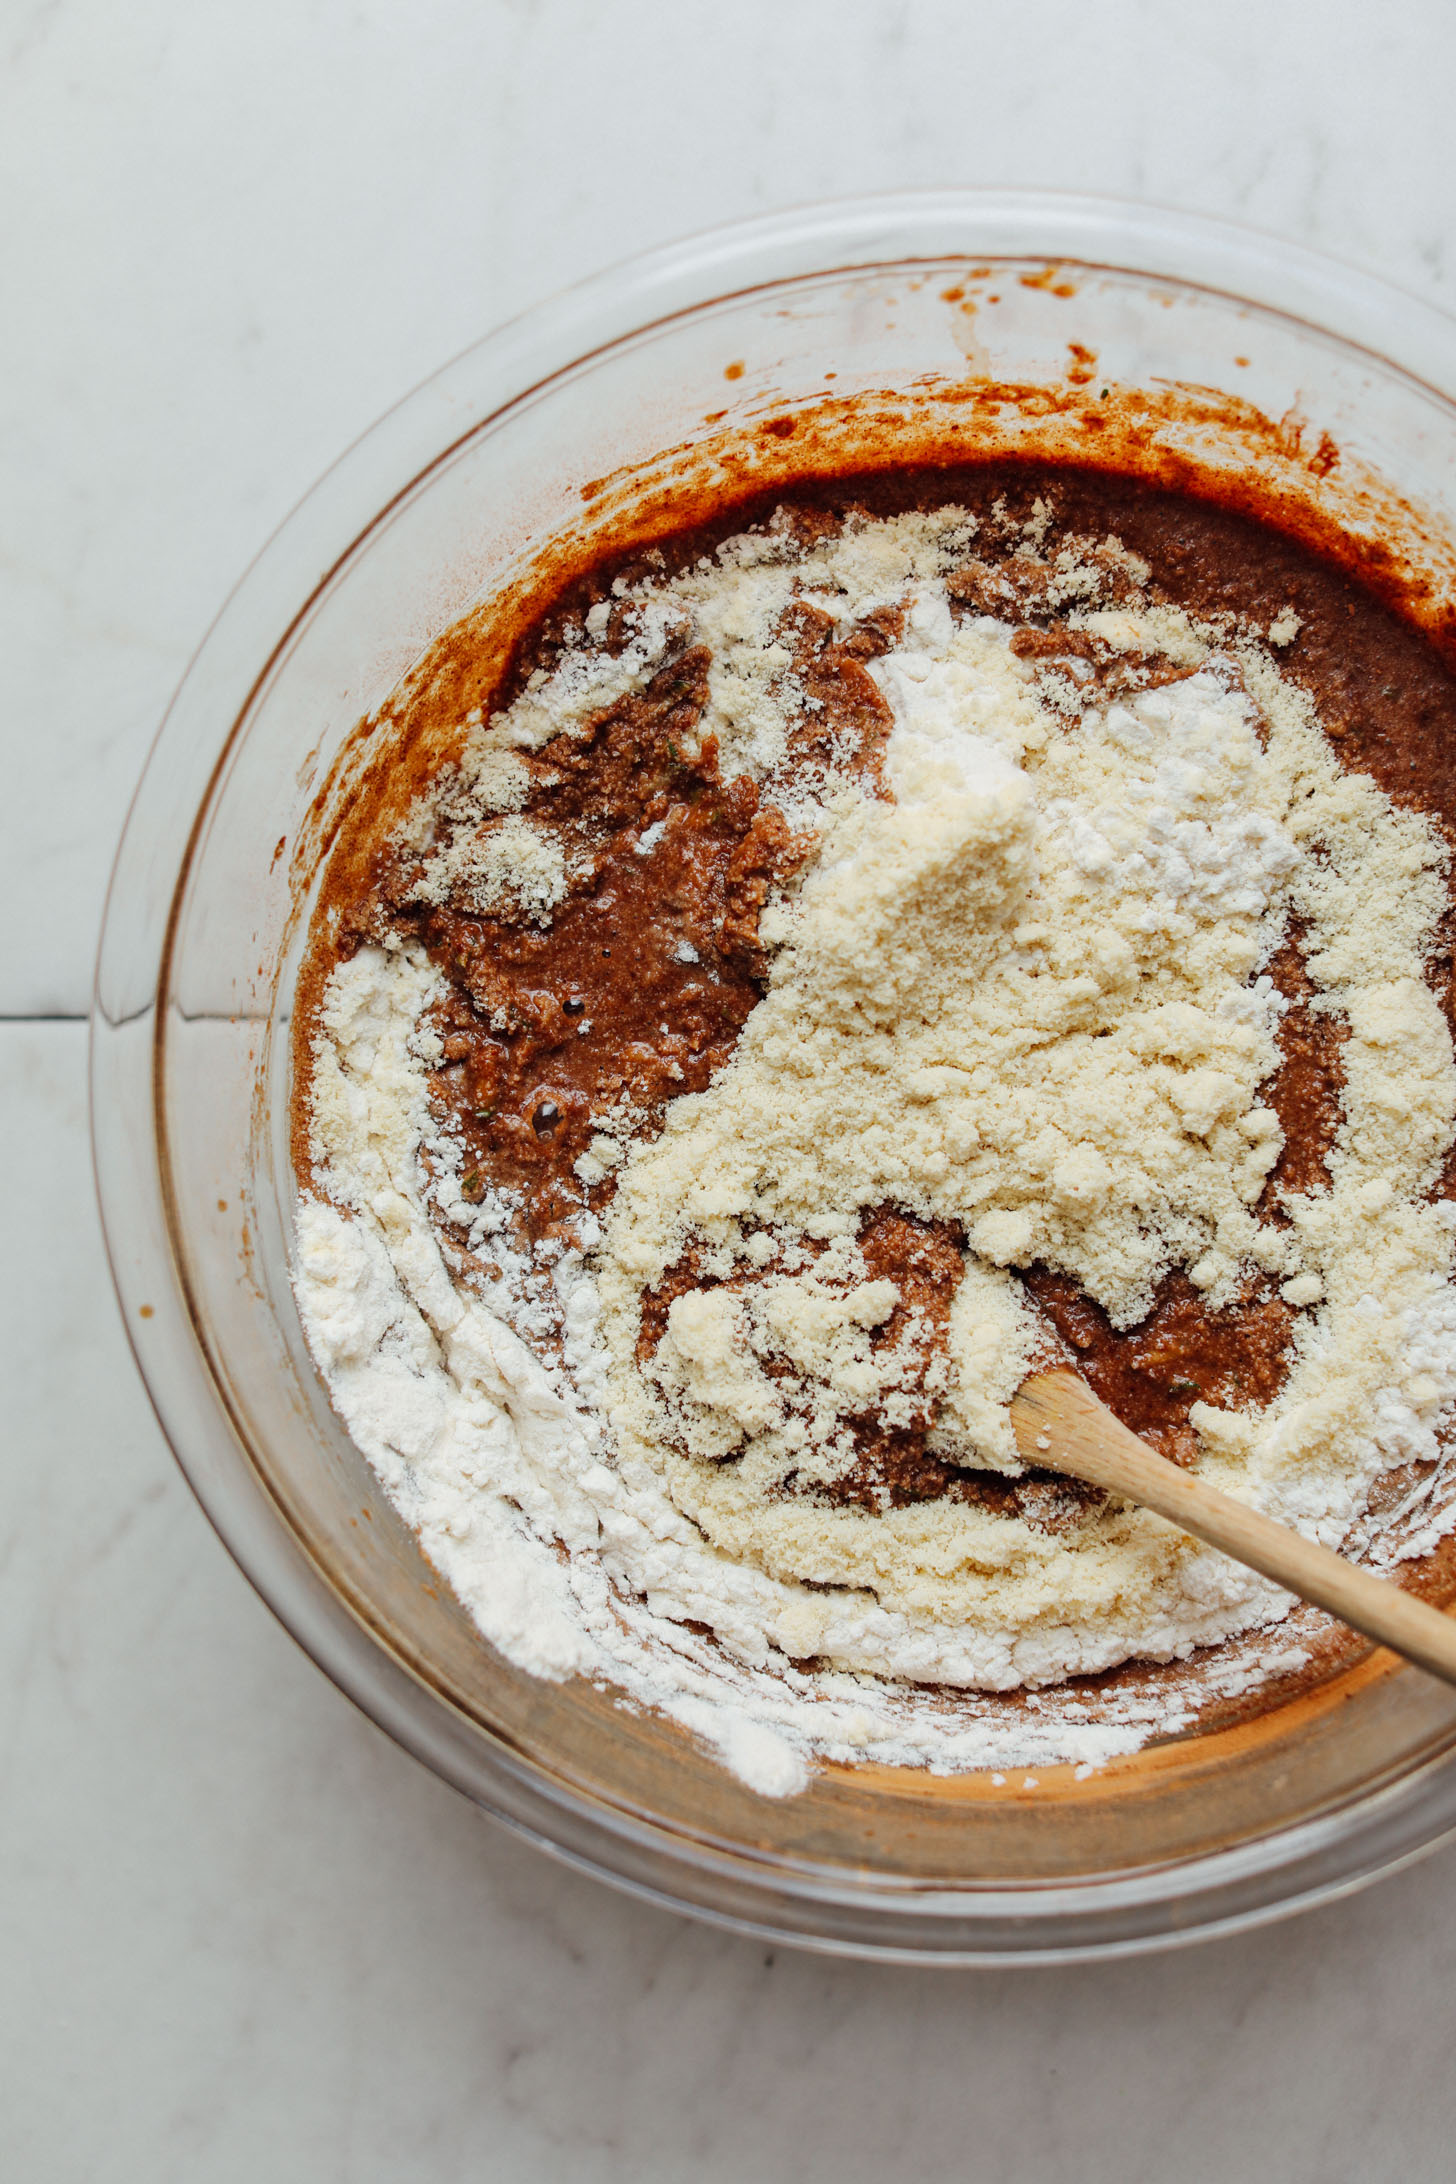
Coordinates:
1060 1424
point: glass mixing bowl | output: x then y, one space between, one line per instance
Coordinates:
975 321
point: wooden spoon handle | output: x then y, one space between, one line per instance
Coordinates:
1059 1422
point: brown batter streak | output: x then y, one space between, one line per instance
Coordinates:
544 1032
1304 1091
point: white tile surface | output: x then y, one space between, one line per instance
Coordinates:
245 1941
241 1937
239 230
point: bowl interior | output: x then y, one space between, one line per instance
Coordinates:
915 360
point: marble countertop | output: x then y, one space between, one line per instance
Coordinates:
242 1936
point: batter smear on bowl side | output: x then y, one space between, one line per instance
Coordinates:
857 959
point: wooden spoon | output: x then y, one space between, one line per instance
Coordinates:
1059 1422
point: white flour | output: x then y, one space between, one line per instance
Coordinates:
1024 998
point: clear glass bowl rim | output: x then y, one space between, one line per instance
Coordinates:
1028 1923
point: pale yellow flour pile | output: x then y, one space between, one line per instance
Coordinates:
1025 999
502 868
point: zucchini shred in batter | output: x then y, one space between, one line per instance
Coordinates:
862 957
